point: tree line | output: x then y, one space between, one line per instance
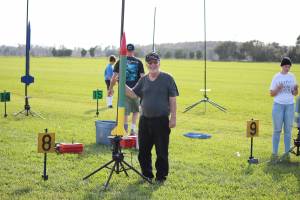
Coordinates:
257 51
253 50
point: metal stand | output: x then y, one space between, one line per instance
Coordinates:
251 159
45 176
27 110
119 163
5 114
153 44
97 110
296 148
205 99
296 145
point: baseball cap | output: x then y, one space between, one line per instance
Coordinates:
130 47
152 56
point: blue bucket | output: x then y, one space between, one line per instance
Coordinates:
103 130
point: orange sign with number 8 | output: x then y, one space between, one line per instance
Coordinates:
46 143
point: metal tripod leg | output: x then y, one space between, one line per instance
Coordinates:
206 99
110 175
35 114
21 112
286 153
94 172
124 170
136 171
193 105
27 112
119 164
216 105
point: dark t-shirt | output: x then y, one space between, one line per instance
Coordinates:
133 70
155 94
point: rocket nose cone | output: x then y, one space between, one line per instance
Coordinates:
123 49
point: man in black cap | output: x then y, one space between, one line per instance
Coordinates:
158 92
134 71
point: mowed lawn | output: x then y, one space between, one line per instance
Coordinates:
199 169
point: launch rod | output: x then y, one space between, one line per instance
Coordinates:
153 43
122 20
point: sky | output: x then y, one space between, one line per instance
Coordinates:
87 23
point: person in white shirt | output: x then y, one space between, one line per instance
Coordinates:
283 88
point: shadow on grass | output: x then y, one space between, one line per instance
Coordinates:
137 190
22 191
279 170
21 117
92 149
249 170
94 110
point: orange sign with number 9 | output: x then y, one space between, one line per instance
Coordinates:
252 128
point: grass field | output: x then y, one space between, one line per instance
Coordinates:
199 169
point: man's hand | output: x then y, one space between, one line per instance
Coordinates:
173 108
172 122
279 87
295 90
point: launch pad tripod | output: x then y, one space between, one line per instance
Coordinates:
296 148
205 99
119 164
296 145
27 110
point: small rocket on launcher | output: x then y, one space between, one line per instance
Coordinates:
27 79
119 129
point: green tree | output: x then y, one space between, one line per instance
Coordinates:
92 51
168 54
61 52
179 53
227 50
298 41
198 54
297 50
192 55
54 52
138 52
110 50
83 52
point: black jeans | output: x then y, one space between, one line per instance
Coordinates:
154 131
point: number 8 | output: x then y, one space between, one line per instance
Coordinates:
46 142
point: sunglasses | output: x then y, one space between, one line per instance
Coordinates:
153 62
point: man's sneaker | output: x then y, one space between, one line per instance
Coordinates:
274 158
110 106
160 180
149 180
286 158
132 132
